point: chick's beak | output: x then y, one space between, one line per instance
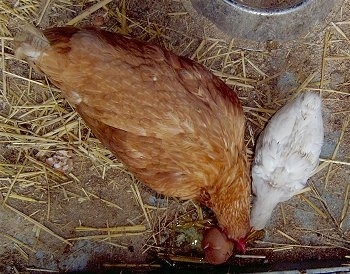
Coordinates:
241 245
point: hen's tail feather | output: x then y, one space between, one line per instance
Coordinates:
30 43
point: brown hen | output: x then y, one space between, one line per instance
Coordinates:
172 123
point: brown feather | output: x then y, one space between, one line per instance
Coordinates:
177 127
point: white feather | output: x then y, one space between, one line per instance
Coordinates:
287 152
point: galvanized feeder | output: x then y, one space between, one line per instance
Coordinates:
263 20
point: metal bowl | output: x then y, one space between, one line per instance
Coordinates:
263 20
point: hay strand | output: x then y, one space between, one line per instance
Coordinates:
39 225
87 12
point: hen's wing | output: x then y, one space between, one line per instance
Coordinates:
105 71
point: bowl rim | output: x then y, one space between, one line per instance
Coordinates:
266 11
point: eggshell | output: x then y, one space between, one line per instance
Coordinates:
217 247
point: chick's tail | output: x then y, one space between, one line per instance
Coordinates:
30 43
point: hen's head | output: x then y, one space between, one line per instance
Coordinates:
232 210
229 197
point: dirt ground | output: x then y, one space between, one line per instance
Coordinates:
95 215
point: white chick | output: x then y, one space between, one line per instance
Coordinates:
287 152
